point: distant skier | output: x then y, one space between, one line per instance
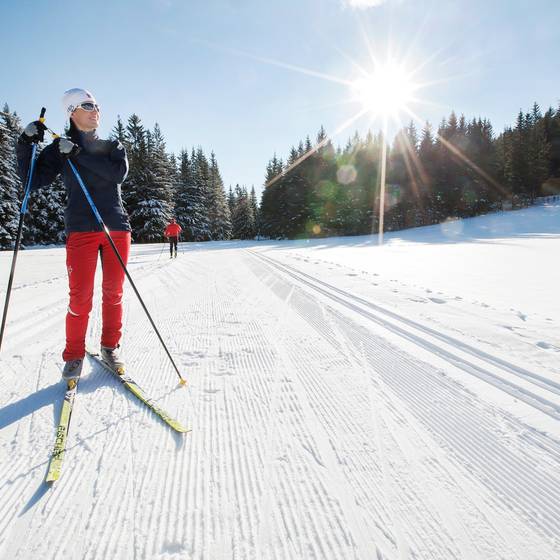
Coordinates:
103 166
172 232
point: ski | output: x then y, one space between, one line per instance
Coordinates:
57 456
138 392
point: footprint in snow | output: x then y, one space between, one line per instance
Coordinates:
172 550
522 316
547 346
437 300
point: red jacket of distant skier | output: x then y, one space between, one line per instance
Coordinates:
173 230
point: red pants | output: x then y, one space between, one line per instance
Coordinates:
82 249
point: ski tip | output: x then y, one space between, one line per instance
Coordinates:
180 428
182 382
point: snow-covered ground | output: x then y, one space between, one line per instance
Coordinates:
347 401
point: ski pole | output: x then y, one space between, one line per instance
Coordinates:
100 221
17 243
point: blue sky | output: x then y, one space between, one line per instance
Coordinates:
216 73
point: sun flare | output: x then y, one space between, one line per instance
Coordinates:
385 92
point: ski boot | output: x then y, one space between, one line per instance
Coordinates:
111 358
72 371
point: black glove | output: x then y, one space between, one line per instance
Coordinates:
67 148
34 132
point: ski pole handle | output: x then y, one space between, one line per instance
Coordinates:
42 119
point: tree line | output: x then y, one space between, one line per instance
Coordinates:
459 170
462 169
159 186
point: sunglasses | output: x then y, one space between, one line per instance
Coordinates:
88 106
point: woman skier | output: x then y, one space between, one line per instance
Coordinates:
103 166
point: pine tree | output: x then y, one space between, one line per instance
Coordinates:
255 208
218 211
153 191
46 206
137 152
271 199
517 163
119 131
190 208
242 218
201 174
538 154
231 199
10 185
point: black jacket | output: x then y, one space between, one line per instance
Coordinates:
102 165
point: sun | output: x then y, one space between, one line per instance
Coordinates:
387 91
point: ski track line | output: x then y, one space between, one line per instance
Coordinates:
476 506
256 399
186 529
333 399
521 372
535 400
324 455
328 414
446 338
222 314
190 525
263 507
292 497
490 426
21 490
316 381
374 358
442 500
239 478
107 500
151 478
33 330
326 451
531 398
217 335
466 439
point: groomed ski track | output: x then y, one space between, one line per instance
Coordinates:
324 425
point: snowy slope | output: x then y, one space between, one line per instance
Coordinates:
346 401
